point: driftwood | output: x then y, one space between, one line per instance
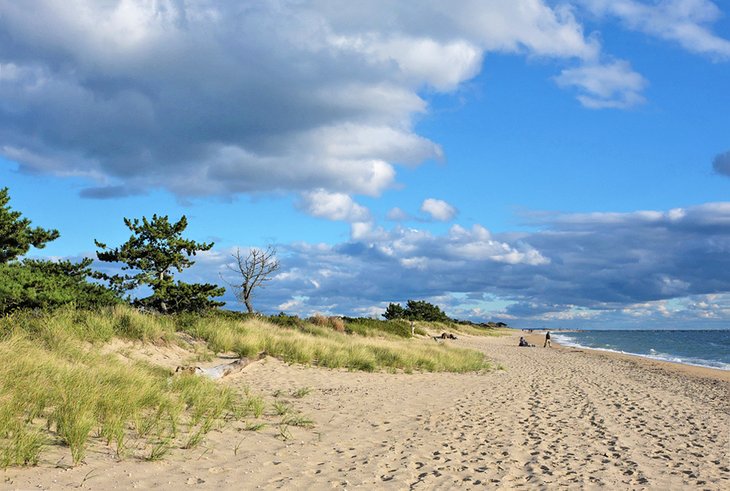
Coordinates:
220 371
444 335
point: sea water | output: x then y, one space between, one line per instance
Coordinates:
701 348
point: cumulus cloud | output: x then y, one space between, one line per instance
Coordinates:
683 21
613 85
333 206
438 209
721 163
219 98
601 268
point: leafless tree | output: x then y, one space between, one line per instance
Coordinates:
255 269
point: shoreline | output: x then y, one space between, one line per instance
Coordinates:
538 339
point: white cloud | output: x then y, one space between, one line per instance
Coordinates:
438 209
646 268
219 98
613 85
333 206
443 66
683 21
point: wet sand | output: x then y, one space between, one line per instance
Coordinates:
560 417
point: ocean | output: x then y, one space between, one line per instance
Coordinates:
701 348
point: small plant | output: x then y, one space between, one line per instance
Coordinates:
195 438
74 425
280 408
254 426
160 449
284 432
301 392
238 445
256 405
298 420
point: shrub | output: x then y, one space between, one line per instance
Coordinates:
284 320
375 327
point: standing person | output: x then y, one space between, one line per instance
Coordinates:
547 340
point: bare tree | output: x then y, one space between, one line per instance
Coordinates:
255 269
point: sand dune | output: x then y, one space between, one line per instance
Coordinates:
553 417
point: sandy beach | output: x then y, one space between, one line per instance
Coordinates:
560 417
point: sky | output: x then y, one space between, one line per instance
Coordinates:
545 164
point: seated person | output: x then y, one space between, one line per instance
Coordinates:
523 342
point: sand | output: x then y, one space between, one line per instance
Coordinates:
559 417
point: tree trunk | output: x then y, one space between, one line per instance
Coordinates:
247 299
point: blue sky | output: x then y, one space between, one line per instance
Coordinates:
557 164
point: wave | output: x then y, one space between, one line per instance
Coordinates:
567 340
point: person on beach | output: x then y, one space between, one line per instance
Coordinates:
523 342
547 340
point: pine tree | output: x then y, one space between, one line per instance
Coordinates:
16 234
154 250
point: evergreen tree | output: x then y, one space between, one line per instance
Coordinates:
423 311
16 234
394 311
39 284
154 250
416 310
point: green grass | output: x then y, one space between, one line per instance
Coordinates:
299 393
58 392
375 327
57 389
323 346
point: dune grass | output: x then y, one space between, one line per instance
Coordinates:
56 388
94 326
326 347
323 342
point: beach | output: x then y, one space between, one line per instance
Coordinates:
558 417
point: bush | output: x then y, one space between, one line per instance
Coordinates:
284 320
376 327
332 322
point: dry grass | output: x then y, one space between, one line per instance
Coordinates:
334 323
55 387
54 390
322 346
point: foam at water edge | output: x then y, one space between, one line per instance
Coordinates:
566 340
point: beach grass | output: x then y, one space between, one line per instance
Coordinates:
372 345
58 388
327 347
54 390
